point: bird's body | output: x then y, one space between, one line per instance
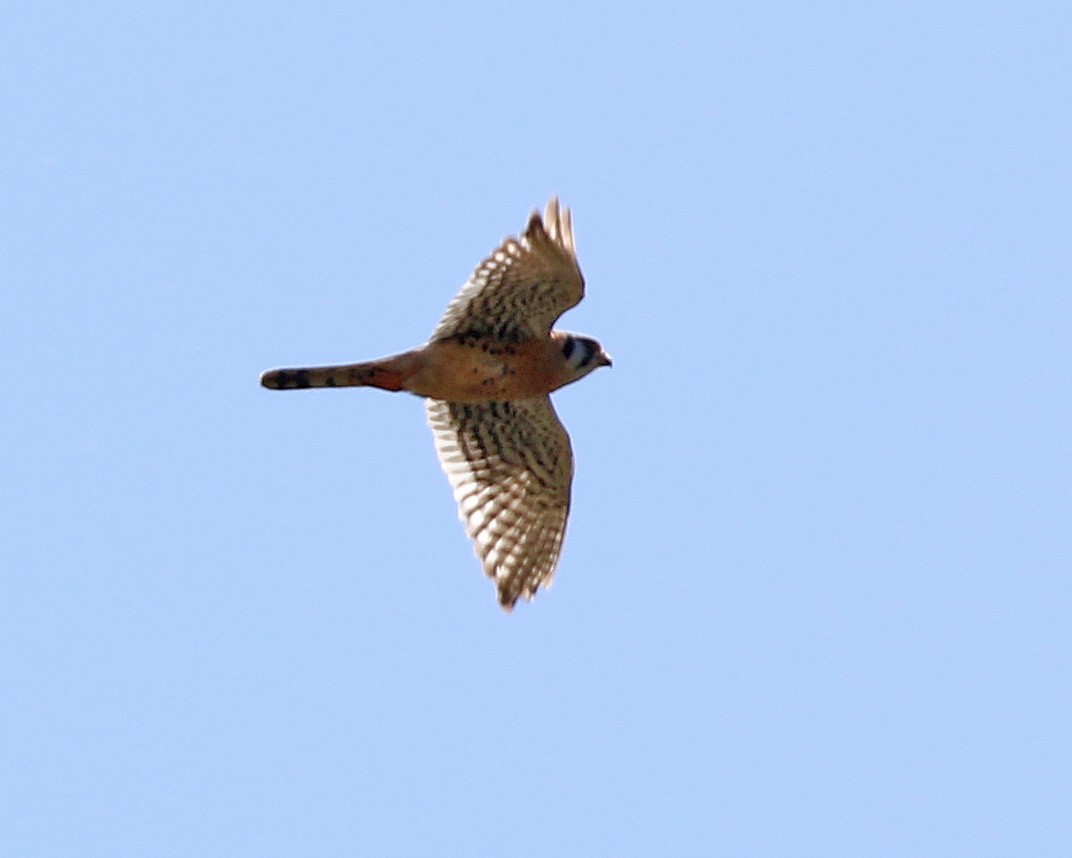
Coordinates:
486 374
458 369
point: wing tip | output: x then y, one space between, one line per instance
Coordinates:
511 591
556 223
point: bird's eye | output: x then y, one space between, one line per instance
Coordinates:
567 347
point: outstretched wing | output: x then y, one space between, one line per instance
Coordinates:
523 287
511 466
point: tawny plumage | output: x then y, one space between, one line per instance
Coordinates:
486 374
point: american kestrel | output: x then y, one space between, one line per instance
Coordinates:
486 374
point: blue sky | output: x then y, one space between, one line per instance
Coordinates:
815 594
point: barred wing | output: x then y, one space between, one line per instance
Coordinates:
511 467
523 287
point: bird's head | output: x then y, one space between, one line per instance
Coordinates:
582 354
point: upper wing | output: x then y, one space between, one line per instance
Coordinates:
525 285
511 466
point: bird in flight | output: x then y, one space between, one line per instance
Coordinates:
486 375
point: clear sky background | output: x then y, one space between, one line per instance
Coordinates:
815 596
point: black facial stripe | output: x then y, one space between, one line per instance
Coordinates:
567 347
589 353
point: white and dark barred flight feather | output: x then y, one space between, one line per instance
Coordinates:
523 287
510 466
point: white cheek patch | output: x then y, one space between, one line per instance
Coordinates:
582 354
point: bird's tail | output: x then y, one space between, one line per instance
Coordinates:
372 374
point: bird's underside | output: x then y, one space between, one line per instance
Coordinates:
455 369
486 375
